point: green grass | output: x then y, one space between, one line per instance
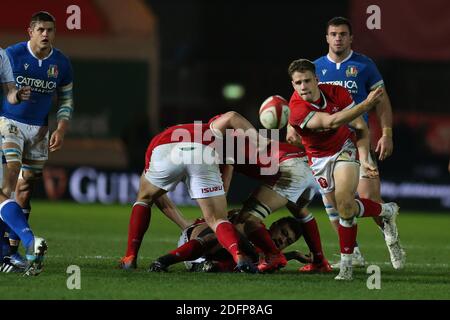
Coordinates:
94 238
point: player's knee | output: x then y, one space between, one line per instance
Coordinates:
213 221
346 208
23 195
13 168
31 175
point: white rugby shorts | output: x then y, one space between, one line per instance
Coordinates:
32 140
295 178
193 163
323 167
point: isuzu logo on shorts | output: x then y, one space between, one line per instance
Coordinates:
212 189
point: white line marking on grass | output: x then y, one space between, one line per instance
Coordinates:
420 265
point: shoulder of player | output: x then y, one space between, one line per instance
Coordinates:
320 60
359 57
16 49
60 55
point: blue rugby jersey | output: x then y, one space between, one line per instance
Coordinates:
43 76
357 73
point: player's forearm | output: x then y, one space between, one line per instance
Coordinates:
384 115
171 211
63 126
363 143
65 103
10 90
227 175
292 137
345 116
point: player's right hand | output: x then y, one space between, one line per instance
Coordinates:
374 96
24 93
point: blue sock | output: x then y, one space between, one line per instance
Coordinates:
4 250
12 234
11 213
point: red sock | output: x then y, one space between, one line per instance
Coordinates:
191 250
262 239
228 237
312 239
347 237
139 222
368 207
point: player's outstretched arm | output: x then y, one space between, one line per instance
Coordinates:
325 121
233 120
385 145
172 212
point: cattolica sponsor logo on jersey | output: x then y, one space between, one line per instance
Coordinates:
36 84
350 85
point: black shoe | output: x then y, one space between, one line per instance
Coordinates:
7 267
157 266
245 265
205 266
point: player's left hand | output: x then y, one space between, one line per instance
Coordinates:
370 169
56 140
385 146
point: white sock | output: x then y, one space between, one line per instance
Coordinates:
346 259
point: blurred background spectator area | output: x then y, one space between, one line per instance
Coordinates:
143 65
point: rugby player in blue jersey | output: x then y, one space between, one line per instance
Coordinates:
24 127
11 217
359 75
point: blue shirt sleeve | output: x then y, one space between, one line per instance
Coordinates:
67 76
6 74
374 77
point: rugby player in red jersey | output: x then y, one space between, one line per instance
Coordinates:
319 115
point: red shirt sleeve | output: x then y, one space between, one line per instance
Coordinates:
214 118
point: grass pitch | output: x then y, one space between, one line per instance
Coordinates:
94 238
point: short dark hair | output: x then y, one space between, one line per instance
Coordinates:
339 21
41 16
301 65
293 223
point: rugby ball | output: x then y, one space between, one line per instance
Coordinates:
274 112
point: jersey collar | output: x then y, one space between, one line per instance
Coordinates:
31 52
324 102
338 64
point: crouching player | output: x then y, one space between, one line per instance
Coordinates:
199 249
